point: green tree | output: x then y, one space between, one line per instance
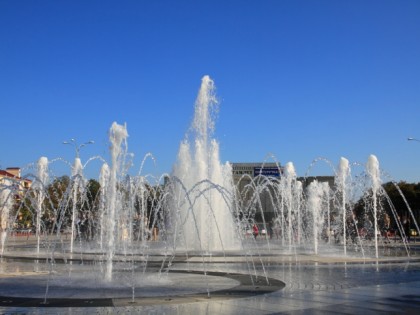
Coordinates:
88 209
402 197
405 197
57 204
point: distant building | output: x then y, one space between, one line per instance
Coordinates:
13 174
255 204
11 178
255 169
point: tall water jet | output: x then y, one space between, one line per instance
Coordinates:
104 184
6 204
372 168
326 189
78 183
289 198
298 198
39 187
342 176
118 137
205 217
315 193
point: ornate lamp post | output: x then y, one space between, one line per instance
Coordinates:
76 146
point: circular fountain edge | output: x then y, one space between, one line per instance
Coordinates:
248 286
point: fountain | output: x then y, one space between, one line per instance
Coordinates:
202 185
132 238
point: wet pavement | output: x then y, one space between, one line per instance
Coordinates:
312 285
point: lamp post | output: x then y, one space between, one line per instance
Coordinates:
413 139
76 146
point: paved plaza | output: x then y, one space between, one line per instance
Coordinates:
300 284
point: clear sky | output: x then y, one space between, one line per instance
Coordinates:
297 80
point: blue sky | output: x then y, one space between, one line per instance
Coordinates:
297 80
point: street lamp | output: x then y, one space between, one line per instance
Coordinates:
412 139
76 146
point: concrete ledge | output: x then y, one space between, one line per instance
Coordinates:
248 286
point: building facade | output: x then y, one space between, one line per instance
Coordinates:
13 174
13 188
256 185
254 189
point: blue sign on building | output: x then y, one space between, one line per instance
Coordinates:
267 171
